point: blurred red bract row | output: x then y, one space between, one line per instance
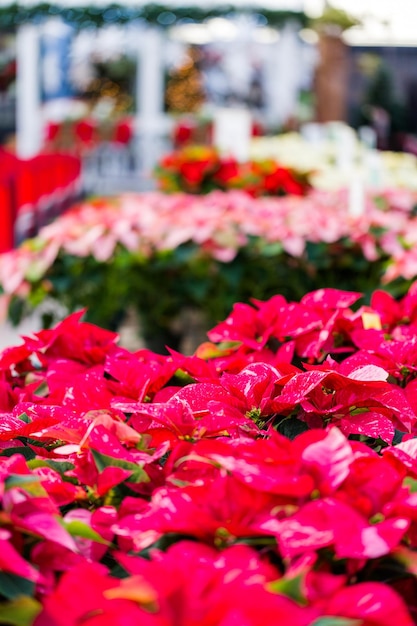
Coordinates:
80 136
32 190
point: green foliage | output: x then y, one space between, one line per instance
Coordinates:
13 586
290 587
25 451
102 461
21 611
333 16
160 15
291 427
77 528
336 621
160 288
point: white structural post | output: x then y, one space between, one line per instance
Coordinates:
150 121
28 107
284 71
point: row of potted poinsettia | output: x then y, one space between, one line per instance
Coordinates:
85 134
199 169
271 476
209 252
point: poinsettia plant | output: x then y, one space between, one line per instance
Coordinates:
199 169
277 464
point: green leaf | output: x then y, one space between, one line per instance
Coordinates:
290 587
411 483
291 427
13 586
25 418
138 473
119 572
77 528
25 451
21 480
16 310
30 483
336 621
59 466
272 249
20 612
398 437
42 390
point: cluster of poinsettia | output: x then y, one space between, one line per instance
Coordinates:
199 169
219 225
269 477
